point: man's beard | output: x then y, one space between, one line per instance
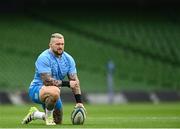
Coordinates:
58 53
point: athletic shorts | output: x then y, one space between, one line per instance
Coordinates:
34 95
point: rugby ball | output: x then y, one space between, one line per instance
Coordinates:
78 116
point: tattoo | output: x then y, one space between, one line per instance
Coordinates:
73 77
49 81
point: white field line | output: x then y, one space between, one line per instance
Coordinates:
137 118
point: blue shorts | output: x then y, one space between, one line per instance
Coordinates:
34 95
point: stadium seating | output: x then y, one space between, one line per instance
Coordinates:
145 49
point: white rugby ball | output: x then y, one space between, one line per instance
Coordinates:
78 116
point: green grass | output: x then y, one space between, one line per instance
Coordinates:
165 115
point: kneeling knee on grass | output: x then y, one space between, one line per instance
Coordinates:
49 91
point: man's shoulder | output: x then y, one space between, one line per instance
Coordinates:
67 55
44 54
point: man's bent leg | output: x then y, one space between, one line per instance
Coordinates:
49 95
49 104
58 116
58 112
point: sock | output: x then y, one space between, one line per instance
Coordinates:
39 115
49 112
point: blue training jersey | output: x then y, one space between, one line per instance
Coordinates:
58 67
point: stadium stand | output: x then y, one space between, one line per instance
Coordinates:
145 48
148 41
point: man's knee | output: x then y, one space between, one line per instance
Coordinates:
55 94
58 116
52 91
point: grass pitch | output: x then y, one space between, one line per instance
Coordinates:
165 115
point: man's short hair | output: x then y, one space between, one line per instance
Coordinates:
57 35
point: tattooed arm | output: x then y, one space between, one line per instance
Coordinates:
76 89
73 78
49 81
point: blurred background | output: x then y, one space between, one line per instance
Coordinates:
125 50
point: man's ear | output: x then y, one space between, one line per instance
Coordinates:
50 44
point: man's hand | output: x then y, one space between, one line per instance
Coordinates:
80 105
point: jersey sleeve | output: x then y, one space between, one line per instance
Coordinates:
72 68
43 65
